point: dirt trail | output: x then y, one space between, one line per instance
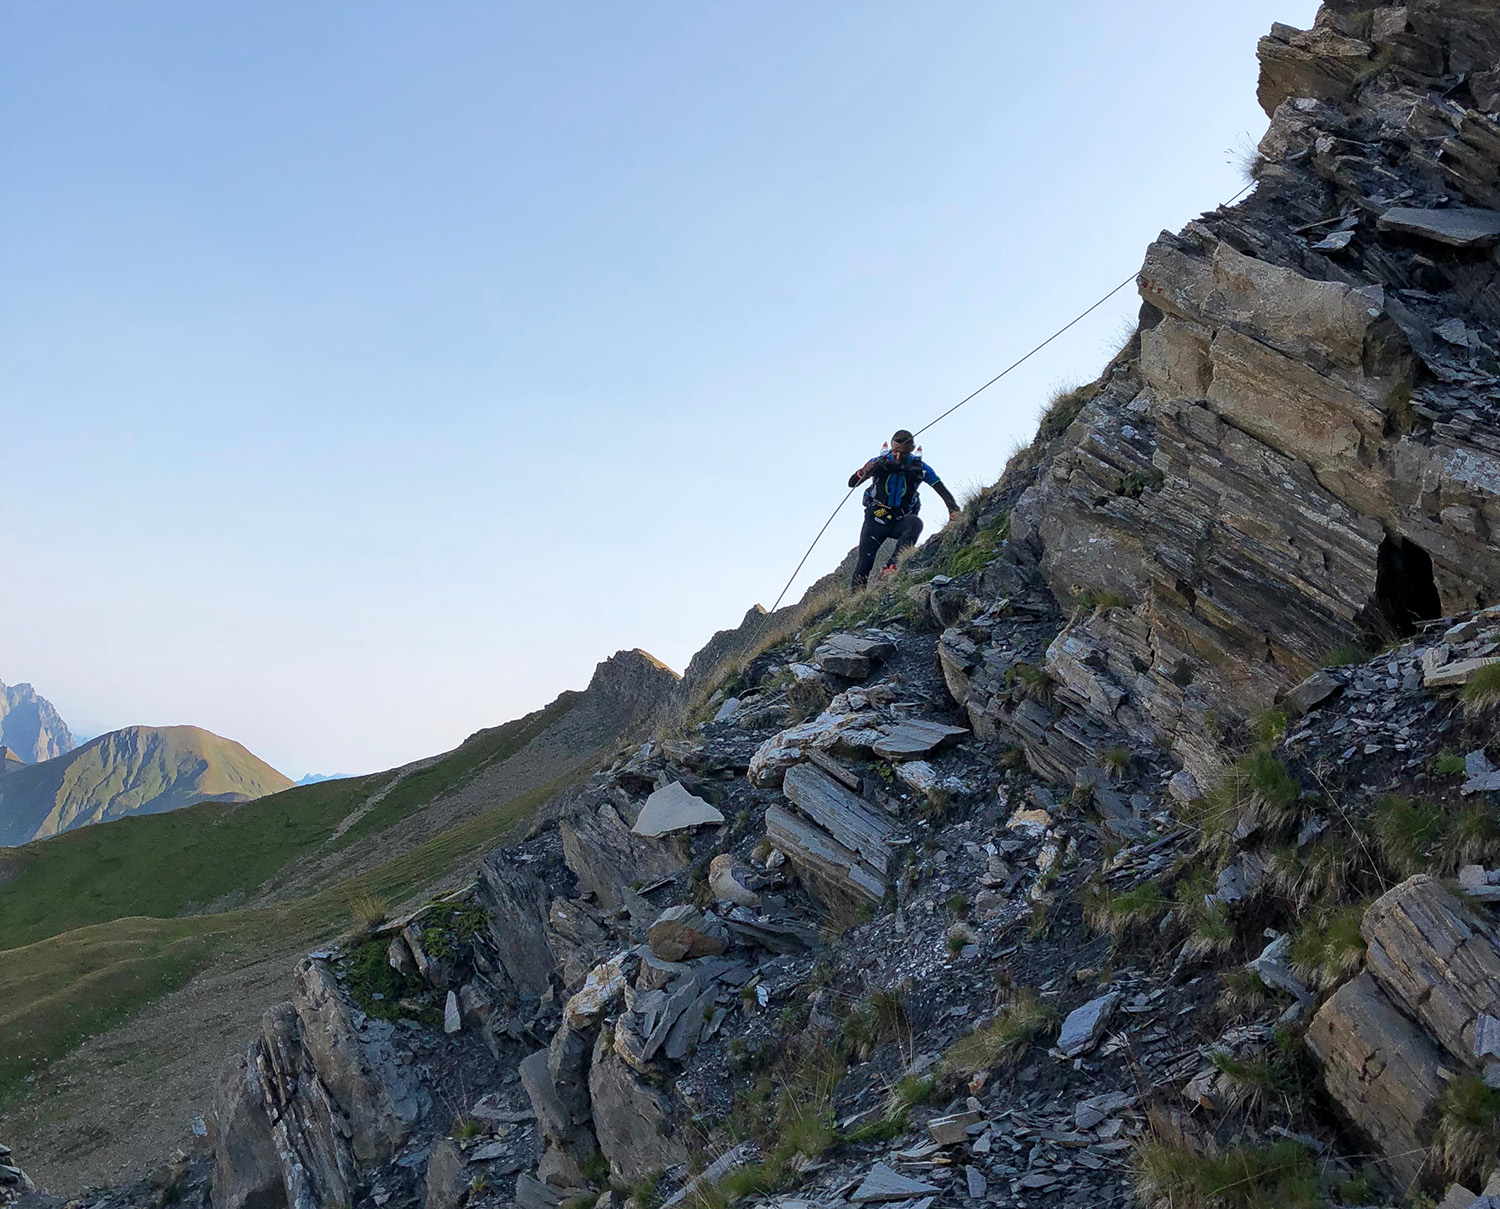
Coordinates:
125 1099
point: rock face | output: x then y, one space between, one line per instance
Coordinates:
138 770
30 726
1288 465
315 1098
1391 1039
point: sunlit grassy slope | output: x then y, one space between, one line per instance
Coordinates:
136 770
59 990
165 865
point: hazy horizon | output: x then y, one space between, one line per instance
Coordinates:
373 372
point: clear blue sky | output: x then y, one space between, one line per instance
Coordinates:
371 370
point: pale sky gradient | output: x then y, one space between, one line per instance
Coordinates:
371 370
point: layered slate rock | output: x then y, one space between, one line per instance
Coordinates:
607 859
1426 1007
833 838
315 1098
1382 1069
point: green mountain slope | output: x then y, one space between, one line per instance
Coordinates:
134 771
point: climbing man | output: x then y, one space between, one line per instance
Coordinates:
891 501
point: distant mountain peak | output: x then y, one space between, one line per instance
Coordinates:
131 771
30 725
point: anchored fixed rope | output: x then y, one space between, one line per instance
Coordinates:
1016 364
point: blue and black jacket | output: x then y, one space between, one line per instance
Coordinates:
892 492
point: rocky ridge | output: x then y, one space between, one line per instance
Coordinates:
30 725
1110 865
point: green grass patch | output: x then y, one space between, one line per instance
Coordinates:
164 865
56 992
981 549
1468 1133
465 762
1483 687
1449 764
1328 948
60 991
1408 832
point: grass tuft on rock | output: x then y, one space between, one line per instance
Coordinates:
1468 1132
1482 690
1173 1171
1408 832
1328 948
1004 1040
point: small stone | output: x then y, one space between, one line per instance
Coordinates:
725 885
885 1184
684 932
1184 788
605 983
727 710
1455 227
453 1019
1085 1025
1029 822
1336 242
951 1130
1313 691
977 1183
673 808
915 739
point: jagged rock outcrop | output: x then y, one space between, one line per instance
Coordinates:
30 725
318 1096
1294 457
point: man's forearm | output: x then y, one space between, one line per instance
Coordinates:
946 496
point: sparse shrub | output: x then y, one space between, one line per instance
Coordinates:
1345 656
1361 1188
366 910
936 803
1468 1134
467 1129
1400 415
1281 1176
1038 926
1116 914
1482 691
1448 764
1029 680
1116 759
882 1017
1243 994
1012 757
1318 871
1004 1040
1408 832
1062 409
1136 482
959 905
1329 948
1097 600
1270 727
1471 835
1281 1074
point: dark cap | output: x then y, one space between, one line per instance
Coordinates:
902 437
